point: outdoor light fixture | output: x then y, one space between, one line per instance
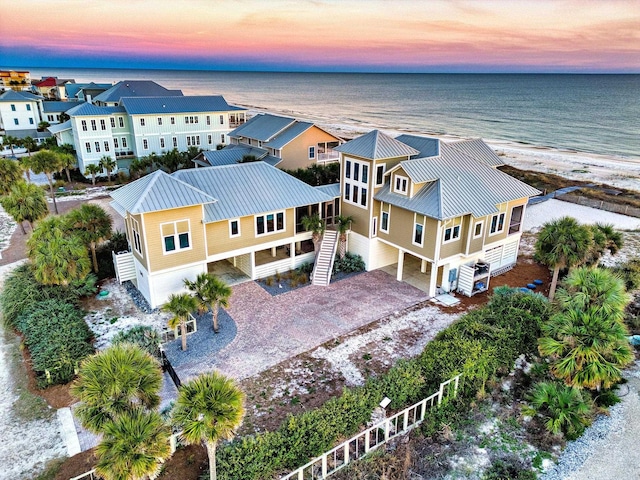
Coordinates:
385 402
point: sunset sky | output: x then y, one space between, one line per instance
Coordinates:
325 35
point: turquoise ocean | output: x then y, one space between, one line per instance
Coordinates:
584 113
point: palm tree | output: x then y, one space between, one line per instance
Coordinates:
10 174
114 381
315 225
92 225
180 305
31 145
133 446
211 293
605 237
209 408
561 244
93 169
58 256
11 141
68 161
344 224
47 162
108 164
25 202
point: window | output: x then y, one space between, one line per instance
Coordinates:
50 118
270 223
209 139
477 230
113 122
234 228
221 119
31 121
385 210
418 236
516 219
175 142
451 233
161 142
106 146
103 124
196 119
188 141
380 174
374 226
356 183
97 147
312 153
121 122
124 142
400 184
93 125
222 138
135 233
142 122
16 122
175 236
13 107
145 144
497 224
87 147
84 125
208 119
173 120
159 120
28 107
115 143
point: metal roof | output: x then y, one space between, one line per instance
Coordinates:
376 145
288 134
248 189
59 127
191 104
52 106
479 150
332 190
232 154
13 96
72 89
158 191
459 184
135 88
262 127
426 146
85 109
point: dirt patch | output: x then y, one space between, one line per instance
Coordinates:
76 465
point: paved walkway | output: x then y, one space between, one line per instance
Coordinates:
272 329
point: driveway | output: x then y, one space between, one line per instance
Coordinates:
271 329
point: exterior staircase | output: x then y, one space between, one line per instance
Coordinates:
324 261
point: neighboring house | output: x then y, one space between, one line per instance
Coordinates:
20 114
183 224
52 110
52 88
132 88
282 141
15 80
84 92
443 206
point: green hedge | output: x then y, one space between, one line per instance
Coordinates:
481 344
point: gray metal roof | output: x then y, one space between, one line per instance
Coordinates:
459 184
248 189
332 190
53 106
86 109
158 191
135 88
13 96
262 127
191 104
376 145
72 89
271 160
59 127
479 150
288 134
426 146
232 154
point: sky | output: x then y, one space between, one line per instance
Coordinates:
581 36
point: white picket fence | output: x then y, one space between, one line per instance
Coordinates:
90 475
358 446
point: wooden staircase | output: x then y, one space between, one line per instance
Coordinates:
324 261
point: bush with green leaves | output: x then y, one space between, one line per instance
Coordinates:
144 336
58 338
349 264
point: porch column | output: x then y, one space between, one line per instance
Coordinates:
423 266
433 278
446 284
273 251
400 264
252 265
292 254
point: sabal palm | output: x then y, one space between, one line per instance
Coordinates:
11 141
108 164
562 243
115 381
47 162
133 446
211 293
180 305
209 408
58 256
25 203
343 225
93 169
68 161
92 225
10 174
315 225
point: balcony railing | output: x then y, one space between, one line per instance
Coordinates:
328 156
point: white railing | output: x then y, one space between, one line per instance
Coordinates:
90 475
358 446
328 157
124 266
192 327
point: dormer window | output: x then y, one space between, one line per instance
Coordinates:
401 184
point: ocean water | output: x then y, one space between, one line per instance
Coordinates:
585 113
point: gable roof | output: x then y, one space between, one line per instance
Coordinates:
426 146
262 127
191 104
88 109
333 189
288 134
135 88
376 145
479 150
73 89
456 184
249 188
53 106
13 96
232 154
60 127
158 191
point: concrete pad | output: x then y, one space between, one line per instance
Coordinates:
68 431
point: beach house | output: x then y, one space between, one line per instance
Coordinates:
20 114
280 141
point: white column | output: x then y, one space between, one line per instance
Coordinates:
273 251
292 255
400 264
433 280
423 266
252 265
446 284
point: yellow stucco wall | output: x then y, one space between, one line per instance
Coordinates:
296 153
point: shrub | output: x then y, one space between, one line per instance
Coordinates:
305 268
117 243
349 264
629 271
144 336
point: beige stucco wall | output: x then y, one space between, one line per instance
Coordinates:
295 154
401 232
